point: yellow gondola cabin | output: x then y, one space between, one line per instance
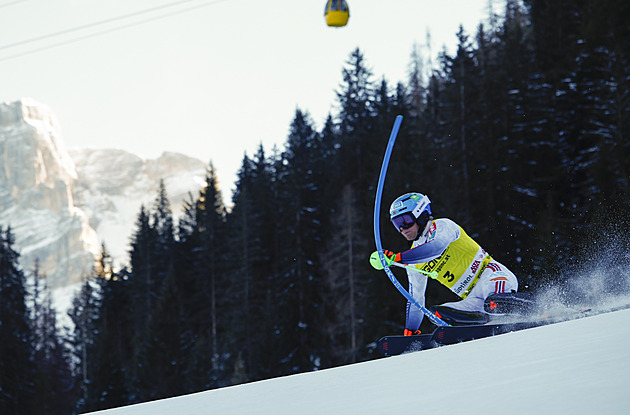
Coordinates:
337 13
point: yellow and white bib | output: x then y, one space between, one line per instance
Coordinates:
460 265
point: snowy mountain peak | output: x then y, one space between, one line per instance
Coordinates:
29 122
61 205
112 197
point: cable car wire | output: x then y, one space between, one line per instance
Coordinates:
106 31
99 23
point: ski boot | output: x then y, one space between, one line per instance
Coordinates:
509 303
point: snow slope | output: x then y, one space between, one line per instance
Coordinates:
575 367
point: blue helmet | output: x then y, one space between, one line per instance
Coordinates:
408 209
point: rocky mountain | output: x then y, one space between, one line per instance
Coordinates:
63 204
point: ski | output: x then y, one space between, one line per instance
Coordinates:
458 334
395 345
447 335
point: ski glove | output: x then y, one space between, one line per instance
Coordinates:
389 258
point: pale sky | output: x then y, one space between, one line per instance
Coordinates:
210 79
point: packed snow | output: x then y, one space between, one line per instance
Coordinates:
574 367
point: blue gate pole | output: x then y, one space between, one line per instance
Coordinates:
377 228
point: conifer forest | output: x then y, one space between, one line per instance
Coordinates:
522 136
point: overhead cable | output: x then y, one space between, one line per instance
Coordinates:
106 31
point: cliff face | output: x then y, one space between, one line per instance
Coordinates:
61 206
36 201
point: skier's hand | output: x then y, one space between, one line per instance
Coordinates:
408 332
391 256
375 261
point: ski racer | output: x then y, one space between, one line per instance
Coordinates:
442 246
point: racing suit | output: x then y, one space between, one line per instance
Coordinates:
461 264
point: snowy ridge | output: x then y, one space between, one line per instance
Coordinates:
112 198
28 115
574 367
62 205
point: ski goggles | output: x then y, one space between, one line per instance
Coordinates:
404 221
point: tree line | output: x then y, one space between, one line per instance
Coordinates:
521 136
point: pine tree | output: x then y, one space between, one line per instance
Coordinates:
507 59
300 198
328 145
355 102
84 314
417 86
143 285
253 224
345 288
459 133
162 357
17 367
245 222
204 239
104 337
55 385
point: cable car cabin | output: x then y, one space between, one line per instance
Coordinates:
337 13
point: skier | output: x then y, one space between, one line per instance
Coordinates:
442 246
